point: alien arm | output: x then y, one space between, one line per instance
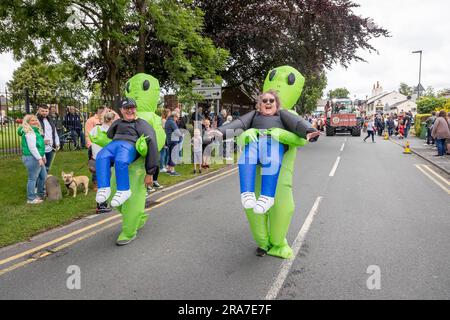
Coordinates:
151 159
236 127
296 124
112 130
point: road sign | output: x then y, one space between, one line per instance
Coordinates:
208 89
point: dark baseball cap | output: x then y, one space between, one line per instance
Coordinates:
127 103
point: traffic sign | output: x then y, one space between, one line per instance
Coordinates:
208 89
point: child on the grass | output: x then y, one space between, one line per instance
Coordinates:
197 146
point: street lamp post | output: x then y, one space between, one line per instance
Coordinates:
420 72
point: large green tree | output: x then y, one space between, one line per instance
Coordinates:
405 89
46 82
338 93
111 38
309 35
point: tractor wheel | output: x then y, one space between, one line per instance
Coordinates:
330 131
356 131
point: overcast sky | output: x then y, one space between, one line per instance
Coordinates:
413 24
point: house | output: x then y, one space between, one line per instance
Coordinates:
387 102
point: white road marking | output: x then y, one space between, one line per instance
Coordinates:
333 171
343 146
287 264
433 179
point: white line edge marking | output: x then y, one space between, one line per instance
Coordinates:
333 171
433 179
287 264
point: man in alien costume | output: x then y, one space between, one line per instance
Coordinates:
269 230
144 89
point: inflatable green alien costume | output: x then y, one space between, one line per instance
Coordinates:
269 230
144 89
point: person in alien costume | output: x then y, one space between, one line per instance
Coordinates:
144 90
270 216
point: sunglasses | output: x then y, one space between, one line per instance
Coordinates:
268 100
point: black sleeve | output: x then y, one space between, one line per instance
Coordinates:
112 130
296 124
152 158
235 127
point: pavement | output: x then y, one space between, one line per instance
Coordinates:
427 152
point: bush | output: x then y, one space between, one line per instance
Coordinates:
428 104
418 119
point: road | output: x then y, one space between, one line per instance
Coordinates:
372 225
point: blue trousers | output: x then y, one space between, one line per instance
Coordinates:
269 154
36 177
122 154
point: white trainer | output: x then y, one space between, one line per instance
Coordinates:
263 204
248 200
120 197
102 194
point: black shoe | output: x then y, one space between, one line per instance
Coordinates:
195 172
260 252
103 208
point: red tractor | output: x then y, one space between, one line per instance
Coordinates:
342 116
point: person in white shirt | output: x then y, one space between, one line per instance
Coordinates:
51 137
197 144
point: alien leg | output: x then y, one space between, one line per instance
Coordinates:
280 214
133 215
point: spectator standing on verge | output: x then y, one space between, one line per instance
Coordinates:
51 137
33 157
228 143
173 136
206 141
72 122
430 122
407 123
54 116
197 147
440 132
164 153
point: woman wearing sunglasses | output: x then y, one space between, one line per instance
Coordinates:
263 149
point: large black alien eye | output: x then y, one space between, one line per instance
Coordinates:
146 85
128 87
272 74
291 79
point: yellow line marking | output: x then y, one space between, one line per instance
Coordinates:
199 185
432 178
436 174
22 254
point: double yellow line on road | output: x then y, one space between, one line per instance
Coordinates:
113 219
443 183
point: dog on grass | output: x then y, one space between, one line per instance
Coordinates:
52 188
73 183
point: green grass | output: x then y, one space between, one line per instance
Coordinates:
20 221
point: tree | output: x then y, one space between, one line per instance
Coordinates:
427 104
405 89
106 35
338 93
308 35
312 92
45 82
429 92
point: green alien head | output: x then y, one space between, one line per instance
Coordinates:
287 82
144 89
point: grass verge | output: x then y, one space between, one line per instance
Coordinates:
20 221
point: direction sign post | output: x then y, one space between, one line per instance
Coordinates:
208 89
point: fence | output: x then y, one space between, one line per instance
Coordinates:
70 126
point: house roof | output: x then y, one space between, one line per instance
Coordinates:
378 97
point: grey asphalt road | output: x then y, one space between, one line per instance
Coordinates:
377 210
